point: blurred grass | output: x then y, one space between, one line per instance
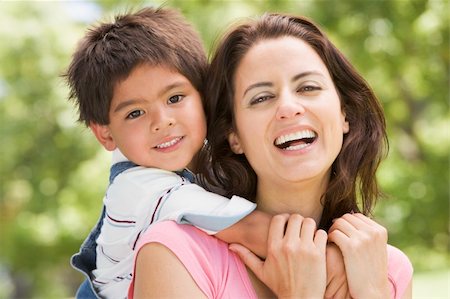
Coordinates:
431 285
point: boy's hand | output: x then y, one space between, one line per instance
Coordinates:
251 232
337 287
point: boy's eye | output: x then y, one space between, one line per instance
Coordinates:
135 114
175 99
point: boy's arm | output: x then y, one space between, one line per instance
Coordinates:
210 212
251 232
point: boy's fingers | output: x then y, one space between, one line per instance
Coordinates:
342 292
331 290
249 259
337 289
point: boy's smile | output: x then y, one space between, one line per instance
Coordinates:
170 145
156 119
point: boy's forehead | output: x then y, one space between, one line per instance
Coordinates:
147 68
160 69
150 79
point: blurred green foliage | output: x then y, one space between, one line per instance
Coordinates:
53 173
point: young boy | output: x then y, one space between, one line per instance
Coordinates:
138 84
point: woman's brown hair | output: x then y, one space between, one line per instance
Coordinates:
353 185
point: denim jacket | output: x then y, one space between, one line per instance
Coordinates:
85 260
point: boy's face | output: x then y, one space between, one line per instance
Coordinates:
156 119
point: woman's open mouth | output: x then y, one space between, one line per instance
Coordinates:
295 141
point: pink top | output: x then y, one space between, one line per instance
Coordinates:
219 273
400 271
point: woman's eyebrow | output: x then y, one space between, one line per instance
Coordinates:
295 78
305 74
259 84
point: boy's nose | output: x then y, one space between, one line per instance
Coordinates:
289 106
161 126
161 120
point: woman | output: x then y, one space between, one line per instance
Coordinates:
294 127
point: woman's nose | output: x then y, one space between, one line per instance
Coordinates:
289 106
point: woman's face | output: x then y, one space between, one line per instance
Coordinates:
288 116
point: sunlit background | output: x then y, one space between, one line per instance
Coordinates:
53 173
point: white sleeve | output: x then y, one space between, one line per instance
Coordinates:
141 196
208 211
130 201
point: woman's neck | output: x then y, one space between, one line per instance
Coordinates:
303 198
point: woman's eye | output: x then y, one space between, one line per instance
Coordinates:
309 88
135 114
260 99
175 99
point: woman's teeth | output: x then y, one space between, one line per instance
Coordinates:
296 140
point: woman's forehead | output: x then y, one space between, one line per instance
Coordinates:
281 56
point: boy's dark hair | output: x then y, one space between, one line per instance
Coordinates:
110 51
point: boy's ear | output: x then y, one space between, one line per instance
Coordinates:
235 144
103 135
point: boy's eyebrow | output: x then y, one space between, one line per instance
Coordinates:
171 86
127 103
161 93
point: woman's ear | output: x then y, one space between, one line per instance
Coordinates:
345 124
235 144
103 135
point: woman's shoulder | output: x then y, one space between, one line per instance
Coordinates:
400 269
176 260
399 258
193 247
214 268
